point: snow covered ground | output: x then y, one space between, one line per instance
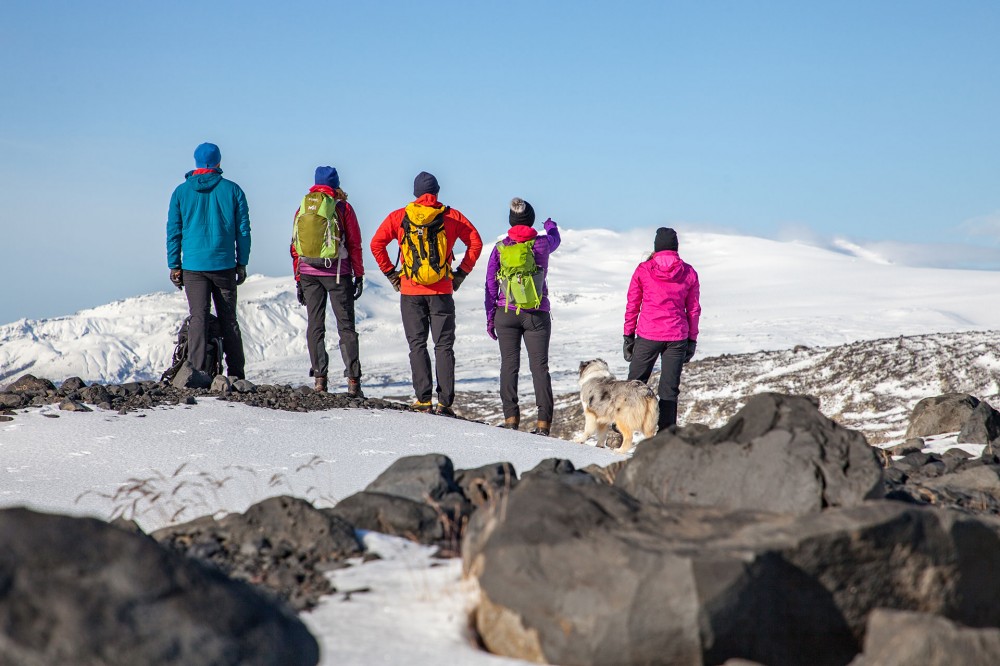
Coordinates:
181 462
757 294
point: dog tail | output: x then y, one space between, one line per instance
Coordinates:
652 417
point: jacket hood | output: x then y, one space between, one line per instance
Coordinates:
521 233
204 182
667 265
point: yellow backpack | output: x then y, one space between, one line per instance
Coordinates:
424 246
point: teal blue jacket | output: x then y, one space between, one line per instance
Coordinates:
208 224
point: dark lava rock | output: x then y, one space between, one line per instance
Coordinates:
778 453
906 638
560 469
282 544
73 406
941 414
486 484
586 574
77 591
31 385
982 426
72 384
395 515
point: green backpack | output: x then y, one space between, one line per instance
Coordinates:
519 276
316 232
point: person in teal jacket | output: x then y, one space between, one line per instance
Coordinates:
208 248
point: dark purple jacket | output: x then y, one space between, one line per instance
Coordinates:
544 246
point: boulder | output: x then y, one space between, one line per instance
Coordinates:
560 469
95 394
982 426
905 638
221 384
941 414
72 384
79 591
586 574
398 516
912 445
73 406
244 386
419 478
31 385
486 484
283 544
778 454
13 400
188 377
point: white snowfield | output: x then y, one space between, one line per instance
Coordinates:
757 294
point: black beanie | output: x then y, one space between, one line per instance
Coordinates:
425 183
666 239
521 212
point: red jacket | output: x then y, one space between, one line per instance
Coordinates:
456 227
351 229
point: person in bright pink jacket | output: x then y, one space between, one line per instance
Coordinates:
661 320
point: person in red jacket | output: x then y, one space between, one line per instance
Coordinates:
426 231
342 281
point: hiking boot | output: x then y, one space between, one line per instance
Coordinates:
511 422
354 387
542 428
320 384
445 410
423 406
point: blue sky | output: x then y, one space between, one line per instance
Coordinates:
875 121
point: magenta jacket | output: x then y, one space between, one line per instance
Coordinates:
663 299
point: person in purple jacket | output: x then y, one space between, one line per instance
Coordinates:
661 320
509 325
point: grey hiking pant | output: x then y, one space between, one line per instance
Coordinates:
671 355
535 329
315 289
434 314
203 288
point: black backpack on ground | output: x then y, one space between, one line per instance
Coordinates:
213 349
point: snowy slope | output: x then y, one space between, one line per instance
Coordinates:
757 294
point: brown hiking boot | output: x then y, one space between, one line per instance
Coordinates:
320 384
354 387
444 410
511 422
542 428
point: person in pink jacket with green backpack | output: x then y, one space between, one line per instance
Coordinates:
661 320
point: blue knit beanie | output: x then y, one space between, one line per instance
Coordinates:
207 156
327 175
425 183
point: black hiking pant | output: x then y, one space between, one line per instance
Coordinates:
315 288
434 314
203 288
535 329
671 355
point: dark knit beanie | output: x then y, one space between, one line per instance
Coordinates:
327 175
666 239
425 183
521 212
207 156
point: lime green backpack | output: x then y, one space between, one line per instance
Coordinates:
316 232
519 276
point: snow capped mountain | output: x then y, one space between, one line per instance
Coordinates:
757 294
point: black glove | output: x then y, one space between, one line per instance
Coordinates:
241 274
628 346
177 277
394 278
359 286
457 278
692 345
299 294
